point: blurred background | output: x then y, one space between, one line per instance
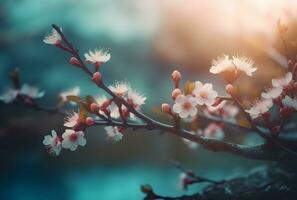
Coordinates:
147 40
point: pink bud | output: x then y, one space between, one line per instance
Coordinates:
74 61
97 77
230 89
175 93
90 121
176 76
165 107
94 107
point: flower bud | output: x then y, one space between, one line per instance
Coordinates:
94 107
90 121
230 89
74 61
176 77
175 93
97 77
165 107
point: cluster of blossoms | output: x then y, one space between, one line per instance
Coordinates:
282 94
92 109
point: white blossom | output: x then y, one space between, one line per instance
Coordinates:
222 64
244 64
237 63
113 133
204 93
272 93
30 91
73 139
71 120
9 95
97 56
136 99
282 82
120 89
260 107
75 91
290 102
185 106
53 37
53 143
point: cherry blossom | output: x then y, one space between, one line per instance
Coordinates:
244 64
53 38
9 95
204 93
71 120
185 106
222 64
282 82
75 91
120 89
260 107
272 93
97 56
290 102
53 143
136 99
113 133
231 68
214 130
72 139
30 91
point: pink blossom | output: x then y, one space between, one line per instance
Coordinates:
72 139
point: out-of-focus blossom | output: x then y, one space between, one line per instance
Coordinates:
113 133
260 107
97 56
185 106
282 82
272 93
204 93
290 102
232 66
53 143
244 64
72 139
191 144
223 109
9 95
71 120
30 91
75 91
52 38
120 89
136 99
214 130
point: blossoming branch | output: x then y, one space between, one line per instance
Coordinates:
120 108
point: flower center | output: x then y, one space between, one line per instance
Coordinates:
187 105
203 94
73 137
